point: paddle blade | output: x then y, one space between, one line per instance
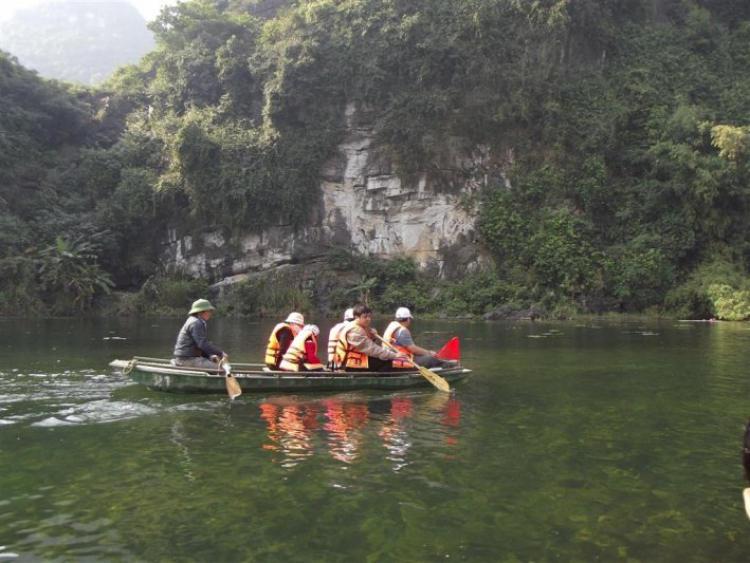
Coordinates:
435 379
233 388
451 351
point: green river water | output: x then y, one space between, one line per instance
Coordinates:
577 441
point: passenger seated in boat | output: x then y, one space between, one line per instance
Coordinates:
302 354
746 466
333 337
356 351
193 348
281 338
398 334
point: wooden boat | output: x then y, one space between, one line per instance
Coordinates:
158 374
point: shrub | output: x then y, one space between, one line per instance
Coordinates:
415 295
70 275
476 295
19 295
729 303
340 260
170 294
261 297
713 285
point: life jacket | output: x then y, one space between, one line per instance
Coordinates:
347 356
297 354
389 336
274 352
333 339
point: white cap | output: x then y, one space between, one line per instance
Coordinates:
313 328
349 315
403 313
295 318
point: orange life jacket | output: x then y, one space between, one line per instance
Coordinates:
347 356
274 352
333 339
296 354
389 336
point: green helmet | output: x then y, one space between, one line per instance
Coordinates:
200 306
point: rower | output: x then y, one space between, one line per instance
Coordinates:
193 348
397 333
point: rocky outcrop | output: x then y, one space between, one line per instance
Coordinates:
375 212
366 208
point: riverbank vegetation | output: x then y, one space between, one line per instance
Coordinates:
624 124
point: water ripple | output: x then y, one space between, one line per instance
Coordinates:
70 398
95 412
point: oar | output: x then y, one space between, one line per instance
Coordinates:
430 376
233 388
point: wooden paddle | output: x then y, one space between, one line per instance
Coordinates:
233 388
430 376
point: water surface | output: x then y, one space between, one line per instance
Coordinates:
570 441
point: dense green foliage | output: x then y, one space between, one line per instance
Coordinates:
618 132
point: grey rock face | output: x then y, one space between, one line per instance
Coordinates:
366 208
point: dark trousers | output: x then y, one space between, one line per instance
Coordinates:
433 362
375 364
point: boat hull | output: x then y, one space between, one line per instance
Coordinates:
161 376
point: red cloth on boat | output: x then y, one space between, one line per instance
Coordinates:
451 351
311 353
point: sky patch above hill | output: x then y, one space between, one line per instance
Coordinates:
148 8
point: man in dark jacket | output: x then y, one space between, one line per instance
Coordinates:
193 348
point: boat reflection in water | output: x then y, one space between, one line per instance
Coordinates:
290 429
347 427
394 435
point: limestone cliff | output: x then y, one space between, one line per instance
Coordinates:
366 208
